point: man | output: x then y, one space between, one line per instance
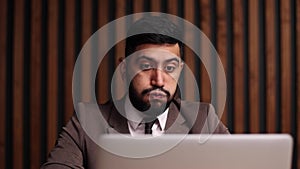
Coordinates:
152 105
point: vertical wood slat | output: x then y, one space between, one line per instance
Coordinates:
228 116
205 90
129 7
120 29
86 59
278 66
147 6
18 85
9 85
164 6
60 64
253 66
196 22
95 27
238 67
3 54
270 66
293 80
213 59
112 9
180 8
69 58
44 77
119 48
95 18
246 92
52 62
26 84
77 31
298 79
102 92
261 67
78 27
155 5
285 62
172 7
221 50
35 83
189 61
138 6
293 49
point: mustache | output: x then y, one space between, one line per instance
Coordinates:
156 88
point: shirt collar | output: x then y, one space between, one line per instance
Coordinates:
135 117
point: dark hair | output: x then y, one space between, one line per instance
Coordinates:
152 30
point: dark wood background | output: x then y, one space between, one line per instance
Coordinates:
257 40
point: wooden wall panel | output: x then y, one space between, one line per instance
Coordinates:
271 66
18 82
3 54
297 142
205 23
120 47
238 62
102 92
189 61
86 28
138 6
35 83
257 42
52 74
221 48
286 62
69 58
172 7
253 65
155 6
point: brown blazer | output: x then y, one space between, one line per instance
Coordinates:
76 149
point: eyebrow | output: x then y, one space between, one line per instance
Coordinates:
151 59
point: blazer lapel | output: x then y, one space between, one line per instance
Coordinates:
176 123
117 122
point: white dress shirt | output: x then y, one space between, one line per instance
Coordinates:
135 120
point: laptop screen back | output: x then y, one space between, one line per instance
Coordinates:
264 151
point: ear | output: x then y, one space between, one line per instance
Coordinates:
181 65
123 66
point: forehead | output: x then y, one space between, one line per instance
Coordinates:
158 52
173 48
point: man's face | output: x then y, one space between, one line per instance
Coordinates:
152 74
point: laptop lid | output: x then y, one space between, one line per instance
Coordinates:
263 151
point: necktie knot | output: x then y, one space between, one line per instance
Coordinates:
149 125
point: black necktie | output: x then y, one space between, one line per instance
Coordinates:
148 126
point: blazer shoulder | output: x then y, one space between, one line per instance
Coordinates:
69 148
106 108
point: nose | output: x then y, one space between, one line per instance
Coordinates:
157 78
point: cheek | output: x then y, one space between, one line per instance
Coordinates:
173 87
140 82
171 84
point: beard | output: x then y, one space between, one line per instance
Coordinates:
145 103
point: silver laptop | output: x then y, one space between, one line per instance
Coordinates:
264 151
